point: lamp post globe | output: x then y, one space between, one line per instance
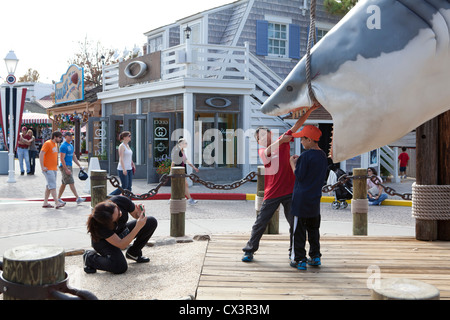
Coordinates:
11 62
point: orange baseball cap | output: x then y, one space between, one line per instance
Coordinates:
309 131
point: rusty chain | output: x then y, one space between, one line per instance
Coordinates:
165 178
345 178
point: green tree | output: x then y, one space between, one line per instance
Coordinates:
339 7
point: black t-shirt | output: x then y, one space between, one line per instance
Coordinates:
125 206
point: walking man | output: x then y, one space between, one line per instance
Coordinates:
67 156
48 158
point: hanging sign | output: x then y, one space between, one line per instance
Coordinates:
71 86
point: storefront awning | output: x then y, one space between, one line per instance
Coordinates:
37 118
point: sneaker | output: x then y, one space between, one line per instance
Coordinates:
61 202
86 268
300 265
247 257
314 261
80 200
138 259
192 201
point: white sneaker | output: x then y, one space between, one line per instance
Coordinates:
192 201
80 200
61 202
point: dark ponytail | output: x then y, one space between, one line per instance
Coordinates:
101 217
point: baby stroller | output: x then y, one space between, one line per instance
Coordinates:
343 192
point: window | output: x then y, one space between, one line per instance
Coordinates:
278 39
277 35
321 33
155 44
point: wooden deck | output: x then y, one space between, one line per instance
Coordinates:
347 264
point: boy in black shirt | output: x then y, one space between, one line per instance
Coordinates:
310 170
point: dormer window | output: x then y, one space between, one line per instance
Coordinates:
195 34
155 44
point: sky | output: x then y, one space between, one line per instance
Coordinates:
45 34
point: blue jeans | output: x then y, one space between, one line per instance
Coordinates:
126 180
375 202
22 154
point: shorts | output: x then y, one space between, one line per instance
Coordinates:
50 177
402 169
66 178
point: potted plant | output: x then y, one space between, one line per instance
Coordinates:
163 166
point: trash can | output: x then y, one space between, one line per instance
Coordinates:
4 162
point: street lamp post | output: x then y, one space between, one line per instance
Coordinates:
11 65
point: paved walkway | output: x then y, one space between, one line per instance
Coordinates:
24 222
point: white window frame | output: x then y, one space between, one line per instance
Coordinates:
162 46
323 27
192 23
285 40
281 21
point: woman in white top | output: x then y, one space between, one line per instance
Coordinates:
126 165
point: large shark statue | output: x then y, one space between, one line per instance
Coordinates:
381 72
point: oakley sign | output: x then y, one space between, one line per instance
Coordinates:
135 69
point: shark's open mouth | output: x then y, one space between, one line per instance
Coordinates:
299 112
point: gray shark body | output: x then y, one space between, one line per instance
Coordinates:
378 82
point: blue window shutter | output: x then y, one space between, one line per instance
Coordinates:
262 37
294 41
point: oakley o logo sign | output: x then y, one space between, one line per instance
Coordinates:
141 66
218 102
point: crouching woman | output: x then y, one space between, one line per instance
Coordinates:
111 233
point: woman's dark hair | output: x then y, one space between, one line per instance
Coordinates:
124 134
374 171
101 217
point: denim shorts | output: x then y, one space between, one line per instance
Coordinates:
50 176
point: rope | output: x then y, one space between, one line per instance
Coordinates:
431 202
258 202
311 37
360 206
177 206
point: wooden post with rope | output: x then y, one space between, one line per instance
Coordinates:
177 203
432 166
360 203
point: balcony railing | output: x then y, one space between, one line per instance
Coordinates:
213 62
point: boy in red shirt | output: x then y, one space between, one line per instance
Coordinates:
403 162
278 181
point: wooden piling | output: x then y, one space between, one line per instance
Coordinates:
33 265
427 172
360 203
98 186
177 215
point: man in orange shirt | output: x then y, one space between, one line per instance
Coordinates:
48 157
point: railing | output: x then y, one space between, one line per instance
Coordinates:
388 159
207 62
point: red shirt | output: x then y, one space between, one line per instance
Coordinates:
25 146
403 157
279 178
